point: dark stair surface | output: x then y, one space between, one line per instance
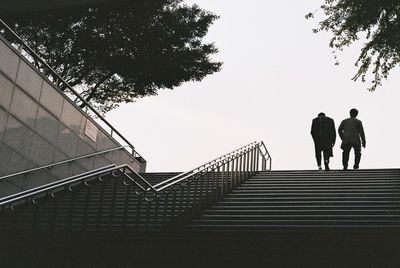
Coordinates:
304 199
274 219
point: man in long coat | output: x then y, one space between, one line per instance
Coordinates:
351 131
323 133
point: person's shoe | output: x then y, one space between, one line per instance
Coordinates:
355 167
319 168
345 168
326 166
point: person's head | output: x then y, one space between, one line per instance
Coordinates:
353 113
321 115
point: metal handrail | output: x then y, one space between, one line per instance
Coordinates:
58 78
97 173
61 162
178 178
40 189
175 202
266 155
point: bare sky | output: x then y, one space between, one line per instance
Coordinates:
277 76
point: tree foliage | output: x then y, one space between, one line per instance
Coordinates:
377 22
117 54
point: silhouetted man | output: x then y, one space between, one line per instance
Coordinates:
351 132
324 135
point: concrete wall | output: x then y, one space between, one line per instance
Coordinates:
39 125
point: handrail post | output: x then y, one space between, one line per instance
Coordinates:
237 174
254 160
174 189
214 187
263 163
222 179
242 166
247 163
180 205
233 175
195 196
258 158
228 175
251 161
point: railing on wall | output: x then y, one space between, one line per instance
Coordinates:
173 202
67 161
31 56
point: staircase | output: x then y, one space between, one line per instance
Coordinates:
274 219
309 199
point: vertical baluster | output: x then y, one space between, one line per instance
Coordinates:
166 204
100 207
195 194
113 201
173 205
188 201
126 205
237 178
208 192
35 216
156 206
71 209
241 167
253 160
222 178
202 197
138 209
179 216
247 164
233 175
148 214
256 159
214 184
86 210
227 165
54 214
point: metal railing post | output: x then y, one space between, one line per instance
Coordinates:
237 168
223 179
254 160
233 175
247 164
174 189
241 168
228 175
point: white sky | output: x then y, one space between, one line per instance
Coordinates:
277 76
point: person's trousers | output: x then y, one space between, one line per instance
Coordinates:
346 154
318 154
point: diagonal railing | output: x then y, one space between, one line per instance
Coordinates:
50 188
177 200
52 76
67 161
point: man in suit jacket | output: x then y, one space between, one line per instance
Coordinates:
323 133
351 132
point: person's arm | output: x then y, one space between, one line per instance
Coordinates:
340 131
362 135
333 130
313 130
